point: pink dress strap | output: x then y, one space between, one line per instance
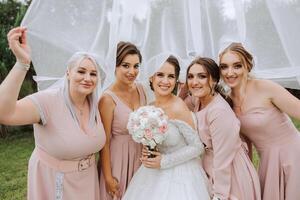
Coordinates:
113 95
124 151
143 98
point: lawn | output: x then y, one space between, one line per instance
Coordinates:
297 123
14 154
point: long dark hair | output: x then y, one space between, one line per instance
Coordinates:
212 69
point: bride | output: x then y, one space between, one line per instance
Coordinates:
175 172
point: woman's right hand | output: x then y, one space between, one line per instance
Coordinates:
17 41
112 187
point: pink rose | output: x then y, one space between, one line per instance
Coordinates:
135 126
148 134
163 128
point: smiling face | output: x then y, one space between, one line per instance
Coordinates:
83 78
164 80
128 70
199 82
232 69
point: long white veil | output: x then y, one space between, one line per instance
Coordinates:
269 29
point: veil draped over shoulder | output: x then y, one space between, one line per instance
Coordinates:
269 29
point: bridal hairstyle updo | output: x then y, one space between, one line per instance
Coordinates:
124 49
174 62
245 57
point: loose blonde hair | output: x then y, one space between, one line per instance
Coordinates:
241 52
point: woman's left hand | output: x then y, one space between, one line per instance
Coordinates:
145 152
152 162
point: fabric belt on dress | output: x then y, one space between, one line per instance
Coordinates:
65 165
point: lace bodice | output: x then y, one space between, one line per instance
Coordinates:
181 144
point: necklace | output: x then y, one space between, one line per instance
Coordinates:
130 102
80 109
128 98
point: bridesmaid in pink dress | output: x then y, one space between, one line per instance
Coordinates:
230 171
67 125
120 157
262 107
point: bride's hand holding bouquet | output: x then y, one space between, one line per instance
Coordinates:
148 126
151 159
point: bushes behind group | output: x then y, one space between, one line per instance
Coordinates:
11 14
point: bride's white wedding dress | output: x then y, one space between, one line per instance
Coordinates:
181 176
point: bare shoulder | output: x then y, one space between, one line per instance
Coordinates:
265 85
280 97
179 106
181 112
106 102
270 89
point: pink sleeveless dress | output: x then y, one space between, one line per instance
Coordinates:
62 165
230 171
124 152
278 144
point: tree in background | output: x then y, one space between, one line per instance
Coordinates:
11 15
295 92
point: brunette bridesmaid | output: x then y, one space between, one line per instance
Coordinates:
120 155
230 171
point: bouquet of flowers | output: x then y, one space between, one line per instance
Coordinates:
148 126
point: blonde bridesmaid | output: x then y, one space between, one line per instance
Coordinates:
230 171
67 127
263 108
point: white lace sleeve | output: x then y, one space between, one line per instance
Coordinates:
192 150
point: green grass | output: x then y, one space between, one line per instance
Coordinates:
297 123
14 154
255 158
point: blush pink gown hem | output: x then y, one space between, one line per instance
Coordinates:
278 144
230 171
125 153
60 137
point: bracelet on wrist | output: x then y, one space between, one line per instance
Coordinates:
22 66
